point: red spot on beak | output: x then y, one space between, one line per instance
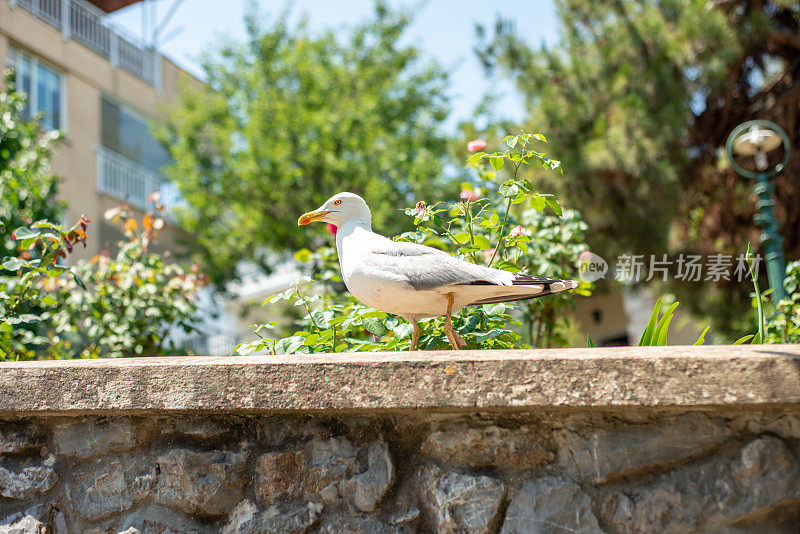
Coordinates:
332 228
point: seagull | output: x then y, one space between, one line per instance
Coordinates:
416 281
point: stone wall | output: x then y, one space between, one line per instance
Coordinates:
619 466
576 472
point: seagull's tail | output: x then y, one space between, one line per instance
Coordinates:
523 287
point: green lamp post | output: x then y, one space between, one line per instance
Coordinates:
757 139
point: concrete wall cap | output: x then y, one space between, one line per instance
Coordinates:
676 376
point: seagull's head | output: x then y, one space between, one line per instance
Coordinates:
338 210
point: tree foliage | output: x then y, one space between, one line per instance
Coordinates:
289 118
639 97
27 183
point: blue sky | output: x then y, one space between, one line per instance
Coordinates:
443 29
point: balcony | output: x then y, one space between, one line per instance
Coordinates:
83 22
126 180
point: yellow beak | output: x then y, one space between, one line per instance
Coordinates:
311 216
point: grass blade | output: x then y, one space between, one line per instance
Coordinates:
647 335
702 338
662 326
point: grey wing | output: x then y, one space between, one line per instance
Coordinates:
428 268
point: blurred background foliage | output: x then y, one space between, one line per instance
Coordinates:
289 118
638 99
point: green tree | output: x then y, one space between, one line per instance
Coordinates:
289 118
639 97
27 183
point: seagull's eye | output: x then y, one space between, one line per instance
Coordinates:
336 203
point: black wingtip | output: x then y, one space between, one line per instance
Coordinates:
550 286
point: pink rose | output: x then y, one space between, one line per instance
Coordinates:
469 195
419 210
519 230
476 144
332 228
585 255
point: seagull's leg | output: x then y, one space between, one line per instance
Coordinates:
414 334
452 336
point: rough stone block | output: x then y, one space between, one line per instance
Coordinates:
518 449
311 473
712 495
203 483
324 471
785 426
550 506
40 519
289 518
91 437
460 503
155 519
14 441
366 489
99 489
355 525
608 454
28 482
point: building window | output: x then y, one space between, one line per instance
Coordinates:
126 132
43 85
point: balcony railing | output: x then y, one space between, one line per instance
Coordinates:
126 180
83 22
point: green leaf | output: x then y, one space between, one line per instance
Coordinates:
48 301
702 338
494 309
303 255
550 201
13 264
243 349
660 334
79 281
403 330
589 341
537 202
25 233
647 335
462 238
497 162
743 339
374 326
482 242
509 189
511 140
